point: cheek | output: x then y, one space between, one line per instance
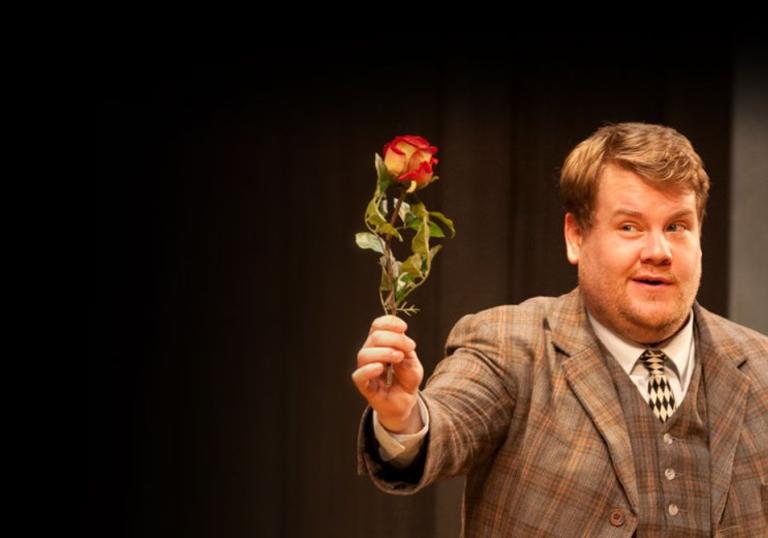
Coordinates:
605 264
617 257
690 256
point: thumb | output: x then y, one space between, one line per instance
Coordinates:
409 371
367 378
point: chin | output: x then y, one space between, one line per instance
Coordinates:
655 325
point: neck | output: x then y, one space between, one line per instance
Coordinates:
641 336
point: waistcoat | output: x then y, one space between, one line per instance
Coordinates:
671 459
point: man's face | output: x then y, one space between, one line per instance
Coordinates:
640 262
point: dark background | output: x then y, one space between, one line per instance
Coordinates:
227 298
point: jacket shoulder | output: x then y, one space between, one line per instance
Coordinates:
517 330
724 332
526 318
737 342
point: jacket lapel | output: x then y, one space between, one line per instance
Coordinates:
590 380
726 389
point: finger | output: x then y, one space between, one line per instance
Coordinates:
409 372
364 374
390 339
388 323
368 355
410 356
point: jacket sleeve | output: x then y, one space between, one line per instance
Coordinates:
470 398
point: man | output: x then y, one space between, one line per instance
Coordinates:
621 408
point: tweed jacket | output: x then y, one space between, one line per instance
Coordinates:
524 405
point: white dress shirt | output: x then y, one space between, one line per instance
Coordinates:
401 449
680 349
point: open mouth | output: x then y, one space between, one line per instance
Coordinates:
651 281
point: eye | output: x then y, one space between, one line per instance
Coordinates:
677 227
628 227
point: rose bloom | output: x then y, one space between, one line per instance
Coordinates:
410 158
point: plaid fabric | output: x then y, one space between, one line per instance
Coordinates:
672 460
525 406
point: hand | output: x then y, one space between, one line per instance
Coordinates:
397 405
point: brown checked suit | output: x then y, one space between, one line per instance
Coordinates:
524 405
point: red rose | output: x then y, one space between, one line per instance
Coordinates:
410 158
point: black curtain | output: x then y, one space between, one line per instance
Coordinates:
227 298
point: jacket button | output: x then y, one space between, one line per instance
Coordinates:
617 517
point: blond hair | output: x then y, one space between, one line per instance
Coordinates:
658 154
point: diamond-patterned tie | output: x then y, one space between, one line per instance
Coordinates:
661 399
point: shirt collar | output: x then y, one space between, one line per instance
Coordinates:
626 352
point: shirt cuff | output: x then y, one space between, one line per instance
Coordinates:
401 449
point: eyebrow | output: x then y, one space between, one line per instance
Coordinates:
637 214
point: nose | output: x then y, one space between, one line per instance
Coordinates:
656 249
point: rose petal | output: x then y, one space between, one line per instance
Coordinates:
421 174
410 158
416 141
394 161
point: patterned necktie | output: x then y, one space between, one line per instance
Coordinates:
661 399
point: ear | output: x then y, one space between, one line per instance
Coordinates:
573 238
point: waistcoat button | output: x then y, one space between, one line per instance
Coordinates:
617 517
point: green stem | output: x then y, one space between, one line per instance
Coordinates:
390 306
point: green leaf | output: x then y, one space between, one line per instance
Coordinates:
367 240
372 216
388 229
426 266
413 223
445 220
408 310
400 295
382 174
419 210
405 211
433 252
435 230
420 242
404 287
412 266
